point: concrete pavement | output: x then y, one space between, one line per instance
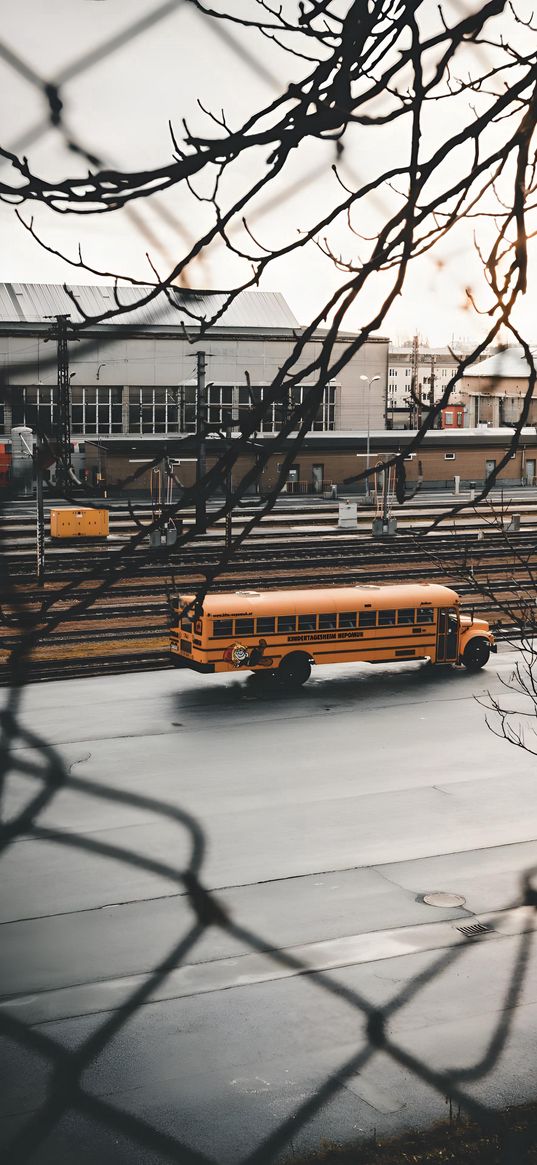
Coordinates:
325 817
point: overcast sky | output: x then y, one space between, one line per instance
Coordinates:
119 106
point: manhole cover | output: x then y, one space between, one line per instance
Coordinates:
443 898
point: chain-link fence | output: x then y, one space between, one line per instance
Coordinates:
31 759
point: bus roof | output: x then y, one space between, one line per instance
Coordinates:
324 599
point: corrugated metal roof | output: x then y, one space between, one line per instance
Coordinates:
511 362
33 302
392 440
423 353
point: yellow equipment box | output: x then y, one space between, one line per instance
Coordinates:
79 523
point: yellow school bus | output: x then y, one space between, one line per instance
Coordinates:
286 632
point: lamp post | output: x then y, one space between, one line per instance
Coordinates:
370 380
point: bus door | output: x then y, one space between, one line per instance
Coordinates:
447 637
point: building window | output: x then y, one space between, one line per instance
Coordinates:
173 410
162 410
219 406
185 398
449 417
276 414
96 410
93 410
35 407
449 456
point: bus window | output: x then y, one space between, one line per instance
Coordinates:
426 615
367 619
244 626
406 615
307 622
328 622
287 623
186 624
387 618
266 625
223 627
347 619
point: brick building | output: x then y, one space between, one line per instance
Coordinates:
335 457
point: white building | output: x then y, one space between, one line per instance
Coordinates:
434 369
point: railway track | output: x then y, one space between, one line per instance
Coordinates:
125 627
17 530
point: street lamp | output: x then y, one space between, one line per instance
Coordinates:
370 380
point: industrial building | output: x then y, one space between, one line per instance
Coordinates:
133 388
137 374
493 391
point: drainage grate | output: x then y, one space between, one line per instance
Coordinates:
474 929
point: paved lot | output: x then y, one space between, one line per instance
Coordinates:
318 821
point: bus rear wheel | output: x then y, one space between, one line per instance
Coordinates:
476 654
294 670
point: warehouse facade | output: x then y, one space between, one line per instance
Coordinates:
493 391
137 375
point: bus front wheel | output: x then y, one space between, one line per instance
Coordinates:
476 654
294 669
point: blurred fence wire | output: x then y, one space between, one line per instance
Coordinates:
67 1092
25 754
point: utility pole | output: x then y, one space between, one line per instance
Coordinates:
433 376
285 404
415 397
433 385
59 332
201 433
370 380
40 517
229 490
